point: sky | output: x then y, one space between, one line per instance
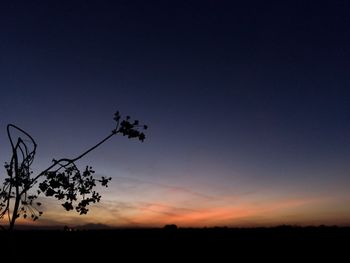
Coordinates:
247 104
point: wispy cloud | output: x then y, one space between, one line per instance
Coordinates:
159 213
133 182
160 204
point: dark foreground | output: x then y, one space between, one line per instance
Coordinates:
167 245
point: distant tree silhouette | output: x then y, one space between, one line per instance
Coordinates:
62 179
171 227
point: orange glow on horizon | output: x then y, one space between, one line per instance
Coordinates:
202 211
160 214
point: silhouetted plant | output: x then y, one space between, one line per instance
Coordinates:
61 180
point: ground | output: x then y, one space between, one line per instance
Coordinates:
172 244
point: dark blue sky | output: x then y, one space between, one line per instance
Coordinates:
245 99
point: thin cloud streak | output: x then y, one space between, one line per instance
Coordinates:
188 208
166 186
157 214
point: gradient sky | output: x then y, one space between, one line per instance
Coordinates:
247 102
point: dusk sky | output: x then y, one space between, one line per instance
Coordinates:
247 103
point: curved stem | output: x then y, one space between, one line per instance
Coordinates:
21 130
17 200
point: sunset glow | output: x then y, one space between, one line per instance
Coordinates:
247 107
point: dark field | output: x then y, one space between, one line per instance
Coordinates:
166 245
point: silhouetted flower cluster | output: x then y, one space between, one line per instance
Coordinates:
70 183
61 180
129 128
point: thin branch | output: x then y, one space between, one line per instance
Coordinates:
21 150
21 130
69 161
